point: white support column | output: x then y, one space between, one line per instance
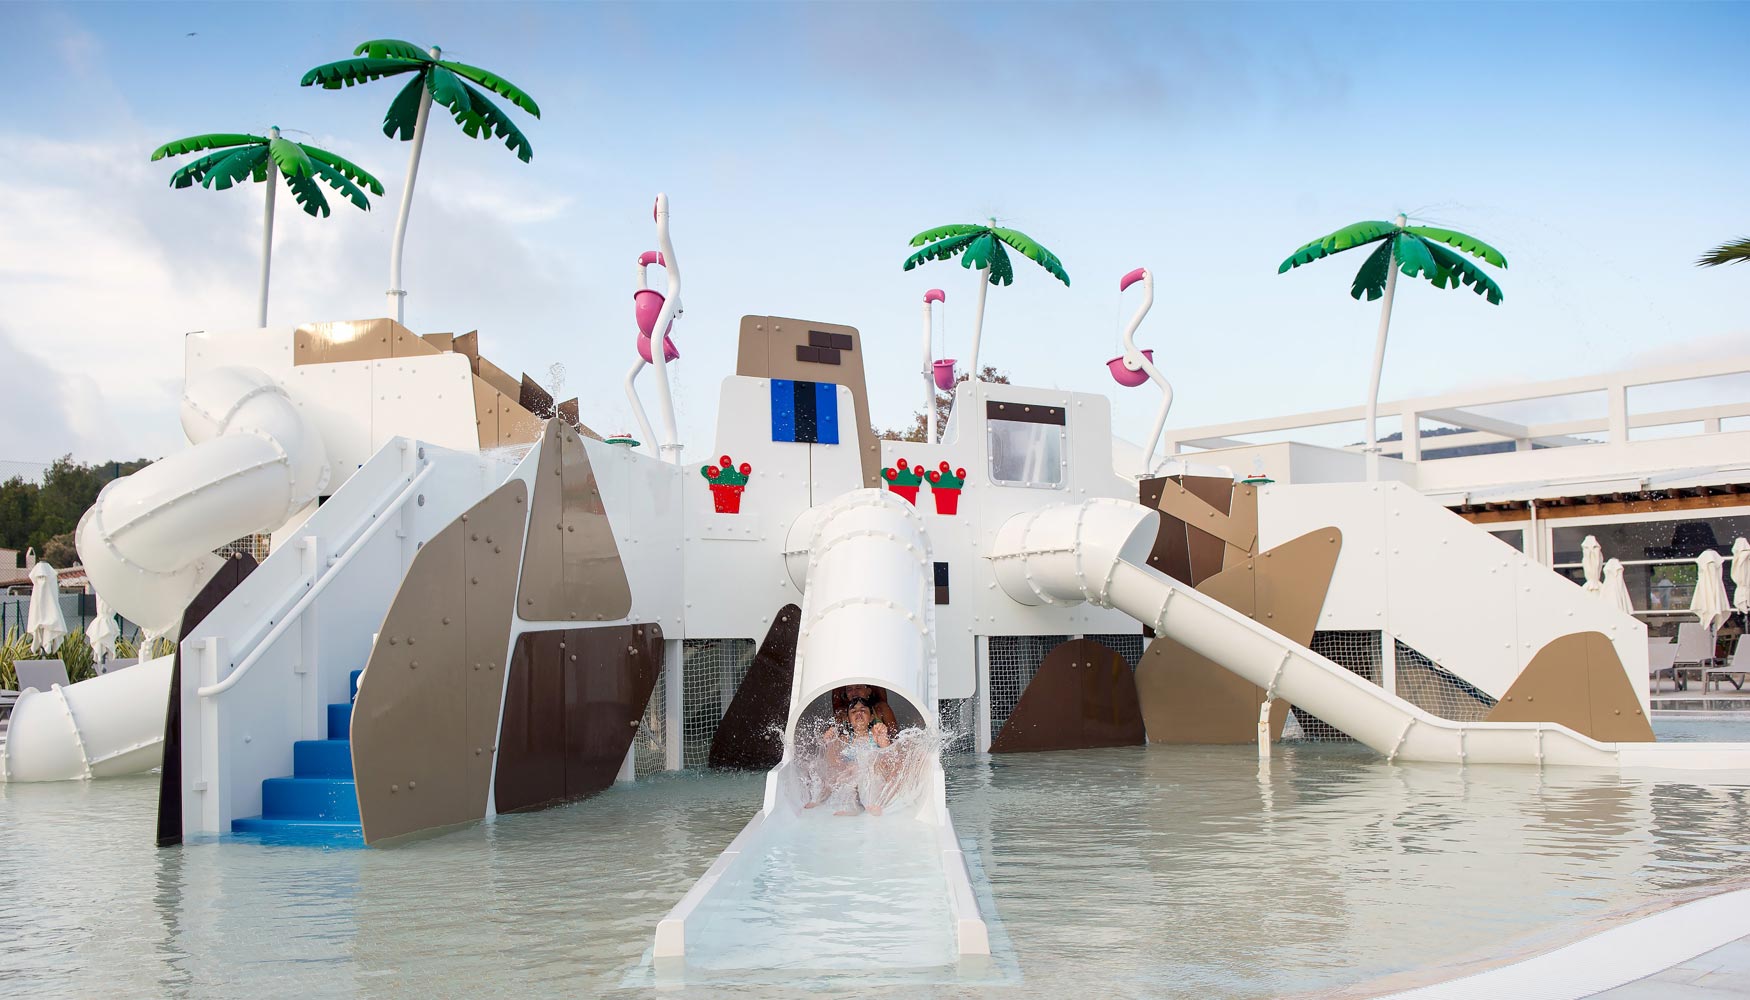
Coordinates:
1411 429
981 646
628 767
673 719
1617 395
1388 661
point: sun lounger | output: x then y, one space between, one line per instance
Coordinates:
1738 665
1662 660
1694 651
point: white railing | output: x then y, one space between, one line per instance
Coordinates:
1457 410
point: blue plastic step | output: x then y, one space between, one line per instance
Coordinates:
334 799
322 759
340 721
301 832
356 674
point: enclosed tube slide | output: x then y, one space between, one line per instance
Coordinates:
148 541
1097 552
147 545
868 617
99 728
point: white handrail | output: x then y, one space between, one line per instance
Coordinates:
334 568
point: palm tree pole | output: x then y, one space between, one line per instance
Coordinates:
398 295
435 80
268 159
1416 251
981 247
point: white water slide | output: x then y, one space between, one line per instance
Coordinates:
1097 552
147 545
783 890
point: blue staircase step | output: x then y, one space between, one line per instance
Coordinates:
356 674
301 832
333 799
340 721
322 759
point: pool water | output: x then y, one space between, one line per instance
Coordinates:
1145 872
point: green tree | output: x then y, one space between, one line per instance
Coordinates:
263 158
1416 251
981 247
433 79
1736 252
17 503
59 551
32 515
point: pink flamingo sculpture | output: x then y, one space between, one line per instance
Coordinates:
932 367
655 311
1134 367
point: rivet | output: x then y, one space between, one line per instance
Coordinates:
394 788
446 619
411 785
393 640
475 537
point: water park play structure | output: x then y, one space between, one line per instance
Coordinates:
471 609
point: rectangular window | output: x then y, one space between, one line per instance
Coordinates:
1512 536
1658 556
1023 453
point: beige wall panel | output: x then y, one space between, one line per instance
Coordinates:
1576 680
768 350
486 412
344 340
422 713
573 572
1235 529
499 379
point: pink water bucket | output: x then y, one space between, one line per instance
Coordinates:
944 370
647 306
1125 376
669 351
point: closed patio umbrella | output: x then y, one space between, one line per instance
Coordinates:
1709 602
1741 574
103 632
1592 564
46 624
1615 589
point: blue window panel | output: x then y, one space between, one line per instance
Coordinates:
783 410
826 413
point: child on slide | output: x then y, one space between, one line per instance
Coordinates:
849 758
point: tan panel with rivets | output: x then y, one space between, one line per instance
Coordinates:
428 703
768 350
1576 680
573 572
1188 698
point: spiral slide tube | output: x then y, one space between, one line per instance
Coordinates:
147 545
1097 552
868 617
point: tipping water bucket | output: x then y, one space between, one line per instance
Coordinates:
944 370
1125 376
647 306
669 351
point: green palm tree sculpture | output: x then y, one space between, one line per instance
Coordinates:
1416 251
1736 252
262 158
434 79
981 247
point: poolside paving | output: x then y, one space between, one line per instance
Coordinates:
1715 975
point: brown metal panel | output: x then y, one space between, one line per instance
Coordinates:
533 398
421 713
1083 696
344 340
233 572
1026 413
486 412
575 697
403 343
517 425
1576 680
1171 553
568 411
1242 524
768 350
748 738
1616 711
499 379
444 342
573 571
468 345
1188 698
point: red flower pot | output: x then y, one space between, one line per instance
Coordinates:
947 501
907 493
726 498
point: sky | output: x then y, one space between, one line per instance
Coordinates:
1600 147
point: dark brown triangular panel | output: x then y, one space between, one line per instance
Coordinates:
1083 696
750 737
233 572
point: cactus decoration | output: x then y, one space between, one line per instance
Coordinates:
727 482
904 480
945 485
